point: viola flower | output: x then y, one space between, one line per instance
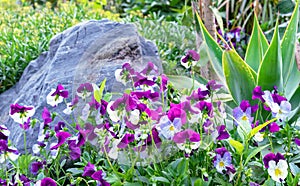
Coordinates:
59 126
243 118
199 94
84 90
57 95
4 132
36 166
20 114
99 177
273 127
167 128
46 117
177 112
190 59
278 170
62 137
205 107
7 152
187 140
257 93
46 182
212 85
127 138
222 160
75 151
222 133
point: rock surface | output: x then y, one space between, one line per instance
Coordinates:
87 52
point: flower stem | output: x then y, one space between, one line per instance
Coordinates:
25 143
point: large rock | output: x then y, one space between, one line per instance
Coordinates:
87 52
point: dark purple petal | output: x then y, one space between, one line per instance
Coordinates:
221 151
273 127
279 157
60 125
128 138
35 167
103 107
257 93
46 116
3 145
75 101
198 94
94 104
75 151
205 107
223 134
60 91
62 137
244 105
85 87
212 85
127 67
89 170
297 141
278 99
194 55
48 182
268 158
99 177
186 106
16 108
82 137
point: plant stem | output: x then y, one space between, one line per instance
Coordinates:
25 143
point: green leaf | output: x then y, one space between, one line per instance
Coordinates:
237 145
293 82
295 114
183 82
259 127
75 171
288 46
98 92
270 70
213 49
159 179
257 46
239 76
254 152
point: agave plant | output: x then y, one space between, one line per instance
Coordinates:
265 64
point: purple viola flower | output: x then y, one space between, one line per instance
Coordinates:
212 85
103 107
163 83
99 176
222 160
36 166
191 55
222 133
297 141
60 91
176 112
271 156
273 127
127 138
186 106
149 81
205 107
20 114
89 169
187 134
244 105
258 93
25 125
4 133
85 90
146 95
208 126
154 137
129 101
59 126
82 135
127 67
199 94
94 104
57 95
46 117
62 137
150 67
47 182
242 117
75 151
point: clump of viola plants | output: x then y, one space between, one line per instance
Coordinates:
156 134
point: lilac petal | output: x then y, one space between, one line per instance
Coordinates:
48 182
89 170
128 138
212 85
46 116
253 184
194 55
62 137
150 66
177 113
206 107
94 104
26 124
273 127
181 137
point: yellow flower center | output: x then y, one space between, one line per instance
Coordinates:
280 112
278 172
172 128
221 164
244 118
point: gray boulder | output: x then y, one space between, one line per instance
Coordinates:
87 52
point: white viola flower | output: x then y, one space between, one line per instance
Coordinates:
281 111
13 155
118 76
69 109
188 147
54 100
134 116
21 114
112 114
259 137
279 171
